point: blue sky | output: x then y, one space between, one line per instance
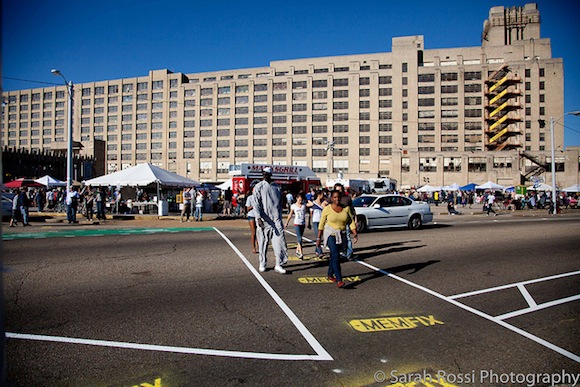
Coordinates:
110 39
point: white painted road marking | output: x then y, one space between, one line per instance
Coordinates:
486 316
161 348
321 353
502 287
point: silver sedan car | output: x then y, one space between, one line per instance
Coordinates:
384 211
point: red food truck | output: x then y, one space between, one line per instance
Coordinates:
291 178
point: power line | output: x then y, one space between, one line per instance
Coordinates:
32 81
569 128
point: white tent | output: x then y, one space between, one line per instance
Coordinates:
539 187
452 187
428 188
143 175
573 188
50 181
225 185
489 185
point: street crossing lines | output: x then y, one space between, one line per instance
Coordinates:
320 353
500 321
533 306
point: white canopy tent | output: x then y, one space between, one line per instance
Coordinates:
572 188
428 188
489 185
143 175
225 185
50 181
539 187
452 187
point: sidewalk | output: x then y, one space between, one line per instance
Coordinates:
42 220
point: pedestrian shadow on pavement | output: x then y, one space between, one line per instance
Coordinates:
360 253
411 268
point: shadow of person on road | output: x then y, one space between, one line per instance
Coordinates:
412 268
361 254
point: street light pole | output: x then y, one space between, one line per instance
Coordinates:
69 149
553 164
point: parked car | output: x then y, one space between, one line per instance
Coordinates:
384 211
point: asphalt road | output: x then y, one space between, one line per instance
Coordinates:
482 301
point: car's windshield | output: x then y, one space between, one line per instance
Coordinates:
363 201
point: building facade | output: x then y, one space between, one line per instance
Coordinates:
438 116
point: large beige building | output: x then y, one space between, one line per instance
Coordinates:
441 116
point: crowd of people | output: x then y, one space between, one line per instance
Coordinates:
90 201
498 200
329 212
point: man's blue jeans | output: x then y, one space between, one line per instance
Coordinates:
318 249
71 214
24 212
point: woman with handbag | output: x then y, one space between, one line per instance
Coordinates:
332 231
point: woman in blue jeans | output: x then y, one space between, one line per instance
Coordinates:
332 230
298 209
318 204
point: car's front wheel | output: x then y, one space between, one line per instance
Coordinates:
415 222
361 223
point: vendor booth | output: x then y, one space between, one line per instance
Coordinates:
50 182
142 178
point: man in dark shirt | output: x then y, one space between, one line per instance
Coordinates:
346 201
228 195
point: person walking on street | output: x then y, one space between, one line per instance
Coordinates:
15 211
40 198
23 204
289 201
490 200
252 215
346 201
318 204
270 226
298 209
228 196
334 223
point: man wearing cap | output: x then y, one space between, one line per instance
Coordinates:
268 205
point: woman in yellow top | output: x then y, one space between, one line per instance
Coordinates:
332 230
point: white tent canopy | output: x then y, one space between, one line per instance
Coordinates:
225 185
452 187
428 188
50 181
539 187
489 185
142 175
573 188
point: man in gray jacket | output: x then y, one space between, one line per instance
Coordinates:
268 200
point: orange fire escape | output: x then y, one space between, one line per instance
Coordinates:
502 110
